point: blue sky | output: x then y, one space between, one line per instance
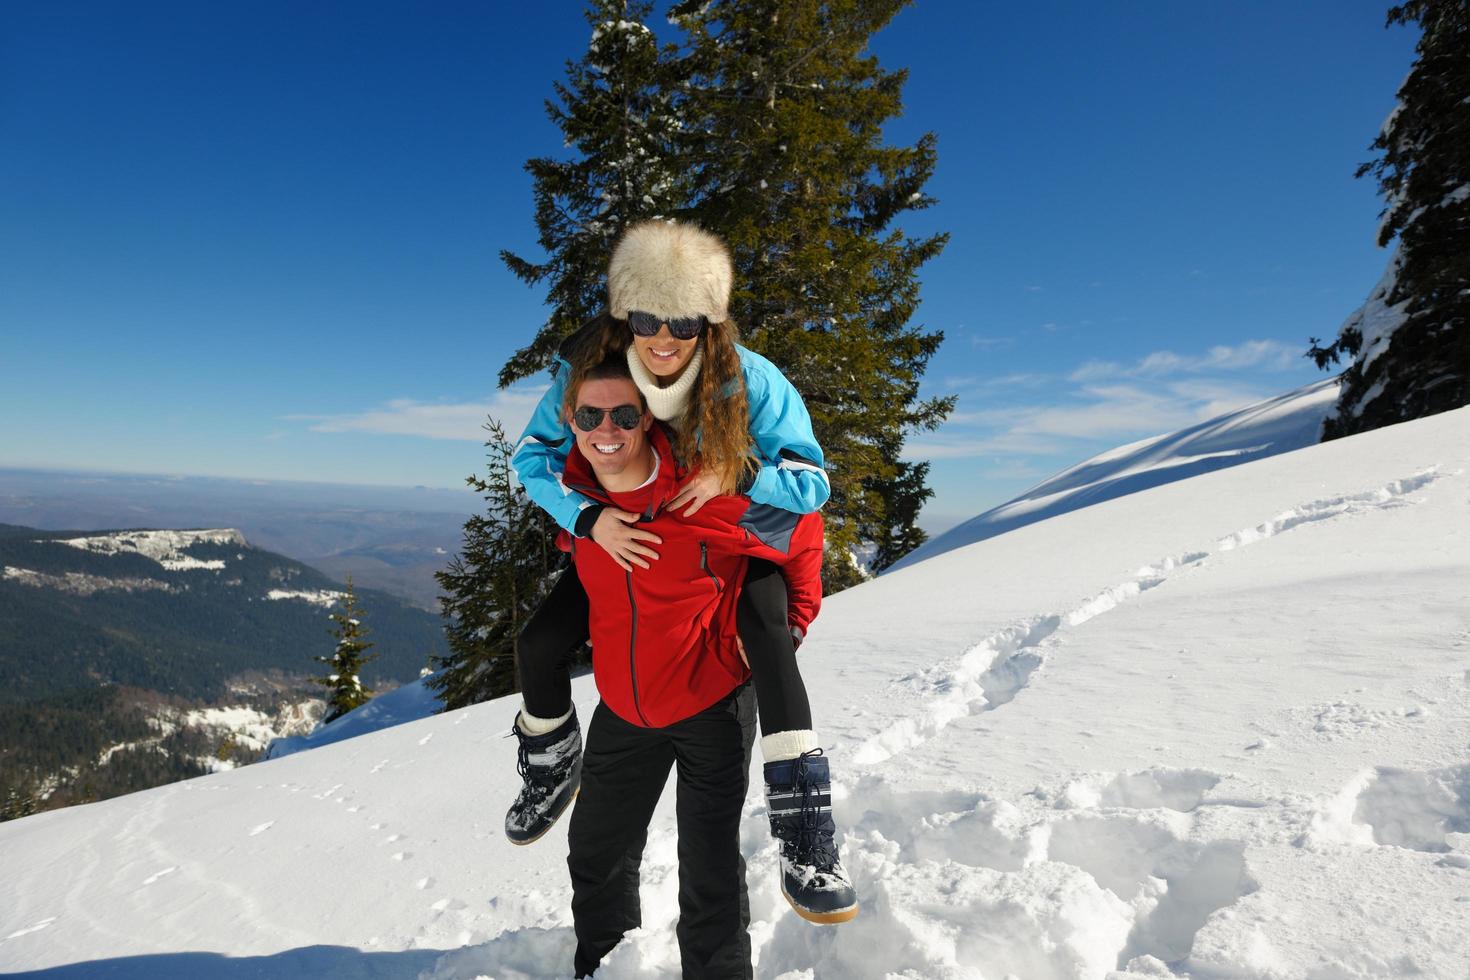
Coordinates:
261 240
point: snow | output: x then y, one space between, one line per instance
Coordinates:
320 597
1216 727
165 547
1286 422
249 727
79 583
410 702
254 728
1376 320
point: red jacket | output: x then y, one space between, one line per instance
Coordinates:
663 638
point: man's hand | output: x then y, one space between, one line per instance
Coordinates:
612 532
703 487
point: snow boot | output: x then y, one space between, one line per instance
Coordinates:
799 798
551 768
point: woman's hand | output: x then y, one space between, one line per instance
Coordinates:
702 487
611 530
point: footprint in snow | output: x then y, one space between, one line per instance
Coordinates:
263 828
1423 810
992 673
424 884
427 739
1182 790
162 874
378 767
392 838
401 856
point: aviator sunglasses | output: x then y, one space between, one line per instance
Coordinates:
683 328
624 417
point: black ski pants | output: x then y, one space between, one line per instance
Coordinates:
624 770
558 629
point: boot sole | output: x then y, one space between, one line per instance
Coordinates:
822 918
531 840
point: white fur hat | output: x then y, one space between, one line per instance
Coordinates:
670 270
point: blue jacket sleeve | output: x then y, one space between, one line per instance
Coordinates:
792 474
540 457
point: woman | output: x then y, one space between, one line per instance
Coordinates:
738 417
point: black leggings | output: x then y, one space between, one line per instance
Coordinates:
558 629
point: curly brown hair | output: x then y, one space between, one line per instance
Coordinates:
719 436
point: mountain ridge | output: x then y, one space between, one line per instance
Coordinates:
119 638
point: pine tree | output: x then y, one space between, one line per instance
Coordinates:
616 111
785 149
766 128
492 587
344 683
1410 343
20 800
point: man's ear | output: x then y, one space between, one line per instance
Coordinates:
647 419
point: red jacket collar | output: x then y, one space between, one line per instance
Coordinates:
650 499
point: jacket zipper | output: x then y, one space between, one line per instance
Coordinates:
633 650
704 564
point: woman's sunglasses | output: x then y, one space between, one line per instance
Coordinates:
624 417
683 328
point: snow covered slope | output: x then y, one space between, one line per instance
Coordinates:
1217 728
410 702
1276 425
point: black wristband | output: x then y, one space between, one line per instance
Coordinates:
583 527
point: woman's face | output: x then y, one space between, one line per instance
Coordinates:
663 354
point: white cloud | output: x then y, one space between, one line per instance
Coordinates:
1102 402
946 445
1272 355
976 382
436 420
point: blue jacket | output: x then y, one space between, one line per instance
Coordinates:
791 474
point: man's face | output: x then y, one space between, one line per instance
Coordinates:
608 448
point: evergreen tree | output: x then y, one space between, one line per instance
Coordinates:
766 128
492 587
785 151
20 800
1410 343
344 683
616 111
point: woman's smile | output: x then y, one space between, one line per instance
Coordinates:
665 355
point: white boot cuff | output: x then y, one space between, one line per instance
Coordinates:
529 724
780 746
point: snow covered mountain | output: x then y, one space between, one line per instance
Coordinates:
1215 728
1276 425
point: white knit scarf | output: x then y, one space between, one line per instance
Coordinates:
667 404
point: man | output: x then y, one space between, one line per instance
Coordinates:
674 687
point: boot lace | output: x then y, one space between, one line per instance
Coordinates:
539 780
814 845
